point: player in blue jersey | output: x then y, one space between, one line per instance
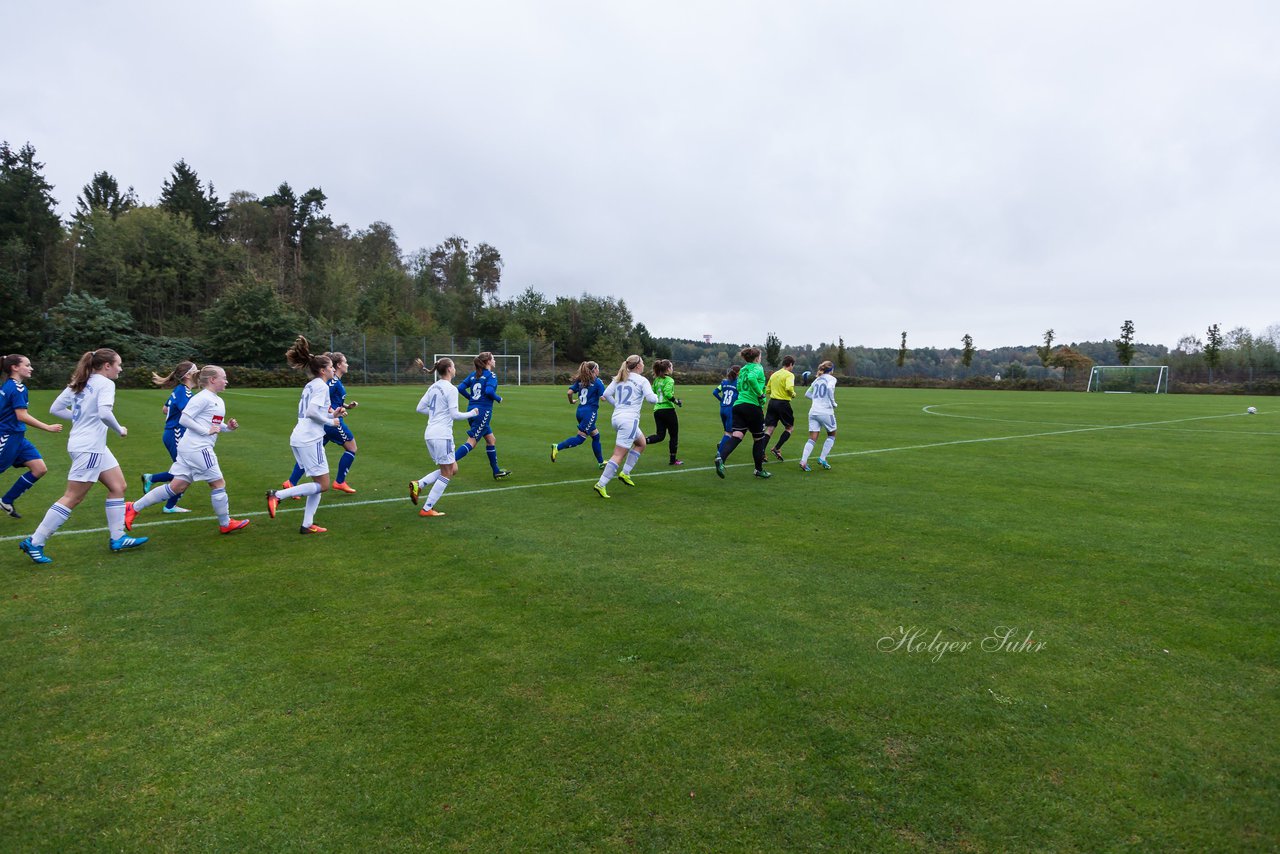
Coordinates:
480 391
339 434
586 390
183 380
727 394
16 450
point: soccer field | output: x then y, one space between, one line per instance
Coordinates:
1002 621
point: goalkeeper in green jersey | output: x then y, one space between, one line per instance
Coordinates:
664 411
748 413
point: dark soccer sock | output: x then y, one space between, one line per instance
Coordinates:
344 465
727 444
161 477
461 451
595 446
20 486
571 442
786 434
757 450
492 451
173 502
296 474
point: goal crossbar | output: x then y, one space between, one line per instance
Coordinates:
465 361
1127 379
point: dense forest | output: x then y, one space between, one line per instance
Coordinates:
230 280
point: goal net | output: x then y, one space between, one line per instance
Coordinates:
1129 379
507 368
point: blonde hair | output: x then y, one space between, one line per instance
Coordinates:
826 367
207 373
90 362
179 374
583 377
632 363
441 367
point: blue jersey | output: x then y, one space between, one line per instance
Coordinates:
480 392
337 393
177 402
726 393
13 396
589 396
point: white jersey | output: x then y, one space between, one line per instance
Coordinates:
823 394
88 430
440 405
201 413
313 414
629 395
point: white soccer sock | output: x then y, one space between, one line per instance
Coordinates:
428 479
155 496
221 505
301 489
115 517
827 446
633 457
442 483
808 449
53 520
610 469
313 501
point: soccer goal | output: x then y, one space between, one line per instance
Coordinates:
502 366
1129 379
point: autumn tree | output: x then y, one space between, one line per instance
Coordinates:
1124 346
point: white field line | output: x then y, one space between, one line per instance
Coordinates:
1150 425
188 518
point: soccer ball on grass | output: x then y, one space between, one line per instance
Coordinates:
1252 410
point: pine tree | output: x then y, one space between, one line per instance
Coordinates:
182 194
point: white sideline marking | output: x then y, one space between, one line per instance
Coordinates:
364 502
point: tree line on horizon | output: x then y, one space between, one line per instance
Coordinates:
229 280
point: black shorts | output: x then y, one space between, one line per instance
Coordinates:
748 418
779 410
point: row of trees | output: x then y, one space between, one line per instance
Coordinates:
231 279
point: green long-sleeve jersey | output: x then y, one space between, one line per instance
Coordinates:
665 389
751 384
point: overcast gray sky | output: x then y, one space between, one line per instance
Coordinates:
812 169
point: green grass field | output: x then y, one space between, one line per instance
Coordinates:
693 665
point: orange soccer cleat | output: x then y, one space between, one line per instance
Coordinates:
343 487
431 511
312 529
233 525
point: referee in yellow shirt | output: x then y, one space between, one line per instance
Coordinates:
781 388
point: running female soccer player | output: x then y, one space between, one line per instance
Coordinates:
822 415
340 435
586 391
88 403
183 380
440 405
480 388
726 393
307 439
16 450
204 418
664 411
628 392
748 413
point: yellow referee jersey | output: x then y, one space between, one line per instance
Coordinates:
782 385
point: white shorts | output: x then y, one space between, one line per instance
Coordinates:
88 466
628 428
441 451
822 421
311 458
199 466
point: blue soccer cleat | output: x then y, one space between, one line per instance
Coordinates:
36 553
125 541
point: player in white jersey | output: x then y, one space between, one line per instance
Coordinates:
88 403
627 392
205 418
307 439
822 415
440 405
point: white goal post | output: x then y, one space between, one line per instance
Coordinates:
465 363
1129 379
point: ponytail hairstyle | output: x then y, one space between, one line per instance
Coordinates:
207 373
732 373
337 359
441 367
8 363
179 374
826 367
583 377
90 362
662 367
299 356
632 363
749 354
482 362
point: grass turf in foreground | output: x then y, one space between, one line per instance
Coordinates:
695 665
